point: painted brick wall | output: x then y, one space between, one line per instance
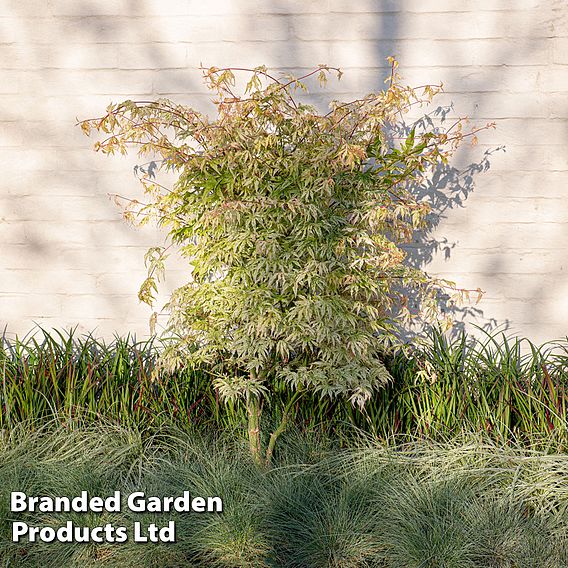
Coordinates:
67 258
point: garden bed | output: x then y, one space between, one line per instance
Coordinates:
452 505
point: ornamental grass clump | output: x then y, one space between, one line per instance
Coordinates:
293 224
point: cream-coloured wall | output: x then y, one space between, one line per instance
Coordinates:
67 258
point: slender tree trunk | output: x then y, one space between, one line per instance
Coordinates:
281 427
273 437
254 411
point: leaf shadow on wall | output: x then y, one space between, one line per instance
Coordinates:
446 189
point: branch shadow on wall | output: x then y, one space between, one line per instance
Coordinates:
446 189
